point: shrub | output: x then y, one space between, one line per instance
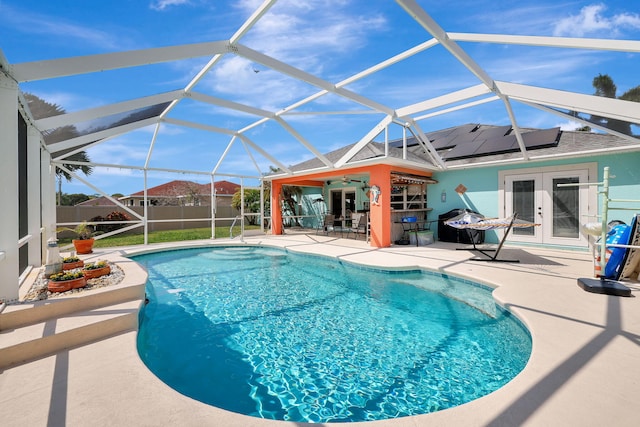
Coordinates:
113 216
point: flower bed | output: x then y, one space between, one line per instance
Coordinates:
96 269
70 263
65 281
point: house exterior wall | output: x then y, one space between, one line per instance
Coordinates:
482 186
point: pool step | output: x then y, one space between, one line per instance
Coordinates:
34 330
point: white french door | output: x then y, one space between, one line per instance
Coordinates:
538 197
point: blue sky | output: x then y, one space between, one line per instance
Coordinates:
332 39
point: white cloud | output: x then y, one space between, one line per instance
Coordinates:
570 125
299 34
163 4
592 21
267 89
119 152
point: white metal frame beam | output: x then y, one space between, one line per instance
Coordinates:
225 103
429 24
597 105
53 68
424 142
584 122
87 183
458 107
106 110
303 141
201 126
101 135
375 131
298 74
542 41
440 101
266 155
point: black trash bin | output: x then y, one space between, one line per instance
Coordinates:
450 234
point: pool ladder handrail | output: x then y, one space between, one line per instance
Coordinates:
233 225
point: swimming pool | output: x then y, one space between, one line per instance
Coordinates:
279 335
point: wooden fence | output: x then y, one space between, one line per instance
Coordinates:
224 216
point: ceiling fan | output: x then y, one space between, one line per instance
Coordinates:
346 180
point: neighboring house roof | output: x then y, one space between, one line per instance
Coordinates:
475 143
224 187
180 188
97 201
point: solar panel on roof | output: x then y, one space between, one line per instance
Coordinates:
494 132
541 138
473 140
465 149
503 144
441 143
447 139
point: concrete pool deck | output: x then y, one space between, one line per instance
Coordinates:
584 368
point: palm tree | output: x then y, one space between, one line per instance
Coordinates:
605 86
41 109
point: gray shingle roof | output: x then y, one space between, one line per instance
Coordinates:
563 143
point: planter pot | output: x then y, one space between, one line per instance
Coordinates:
96 272
72 265
83 246
67 285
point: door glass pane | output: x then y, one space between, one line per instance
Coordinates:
336 203
349 203
524 205
565 208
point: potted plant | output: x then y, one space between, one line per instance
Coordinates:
84 241
92 270
71 262
67 280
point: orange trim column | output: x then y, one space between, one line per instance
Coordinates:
276 212
380 213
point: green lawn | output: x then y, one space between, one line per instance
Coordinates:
164 236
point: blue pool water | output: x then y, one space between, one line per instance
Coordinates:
279 335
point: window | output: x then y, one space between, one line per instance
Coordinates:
411 196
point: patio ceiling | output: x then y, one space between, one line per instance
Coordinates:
164 108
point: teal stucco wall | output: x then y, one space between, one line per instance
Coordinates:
482 186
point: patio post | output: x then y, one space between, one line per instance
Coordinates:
276 208
34 196
49 197
9 270
380 213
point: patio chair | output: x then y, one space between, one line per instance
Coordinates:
327 224
358 225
